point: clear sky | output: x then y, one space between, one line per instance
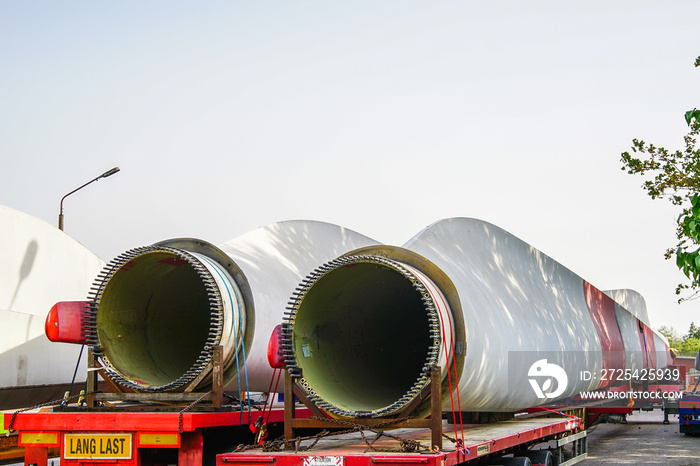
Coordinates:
381 116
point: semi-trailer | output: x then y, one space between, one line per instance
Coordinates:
464 321
147 433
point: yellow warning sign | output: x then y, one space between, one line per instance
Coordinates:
97 446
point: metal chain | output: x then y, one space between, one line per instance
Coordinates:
189 407
345 422
48 403
407 445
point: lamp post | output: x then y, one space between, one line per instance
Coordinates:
104 175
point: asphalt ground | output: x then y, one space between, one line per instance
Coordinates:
643 440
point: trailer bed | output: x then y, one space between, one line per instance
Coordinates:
353 449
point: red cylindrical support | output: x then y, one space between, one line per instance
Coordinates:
275 353
65 322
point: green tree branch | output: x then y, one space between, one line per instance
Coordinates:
675 175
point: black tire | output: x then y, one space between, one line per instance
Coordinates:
515 461
540 457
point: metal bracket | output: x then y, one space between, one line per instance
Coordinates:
291 422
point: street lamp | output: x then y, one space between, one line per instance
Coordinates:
104 175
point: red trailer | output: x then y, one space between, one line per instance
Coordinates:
132 438
558 440
160 435
547 437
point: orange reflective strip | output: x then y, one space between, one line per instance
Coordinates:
159 439
38 439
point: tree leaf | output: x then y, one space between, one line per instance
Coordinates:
689 115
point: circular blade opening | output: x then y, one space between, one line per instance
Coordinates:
154 318
363 335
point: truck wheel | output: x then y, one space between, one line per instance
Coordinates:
515 461
543 457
